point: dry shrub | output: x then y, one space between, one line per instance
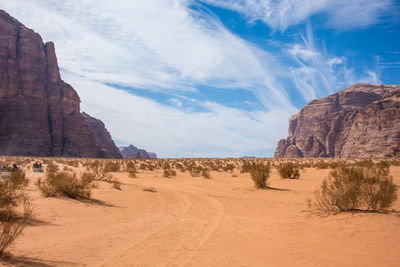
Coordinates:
66 184
15 210
229 167
169 172
356 188
246 166
52 166
111 166
117 185
260 173
206 173
196 171
108 178
150 189
289 170
131 169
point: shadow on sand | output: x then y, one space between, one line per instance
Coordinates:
11 260
274 188
93 201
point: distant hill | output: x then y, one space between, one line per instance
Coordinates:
40 113
132 152
360 121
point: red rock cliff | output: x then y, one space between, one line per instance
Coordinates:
39 112
360 121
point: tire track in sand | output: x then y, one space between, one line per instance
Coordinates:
176 243
186 209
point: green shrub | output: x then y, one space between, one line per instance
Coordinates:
260 173
66 184
356 188
289 170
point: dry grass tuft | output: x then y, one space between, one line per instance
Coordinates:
150 189
66 184
368 188
289 170
13 199
260 173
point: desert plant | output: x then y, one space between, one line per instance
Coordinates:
196 171
246 166
131 169
206 173
150 189
117 184
66 184
260 173
12 200
111 166
289 170
356 188
52 166
169 172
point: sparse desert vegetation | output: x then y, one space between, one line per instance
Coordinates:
289 170
194 203
15 209
365 187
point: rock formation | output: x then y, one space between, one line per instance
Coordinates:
360 121
39 112
132 152
102 136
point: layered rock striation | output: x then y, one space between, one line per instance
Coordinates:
360 121
40 113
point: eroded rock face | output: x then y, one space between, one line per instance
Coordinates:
360 121
132 152
102 136
39 113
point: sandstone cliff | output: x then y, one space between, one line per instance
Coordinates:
360 121
39 112
132 152
102 136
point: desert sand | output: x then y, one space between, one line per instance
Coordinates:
192 221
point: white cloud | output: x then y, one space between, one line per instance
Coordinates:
335 61
318 73
154 44
342 14
172 132
165 46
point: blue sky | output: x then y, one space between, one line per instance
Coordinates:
212 78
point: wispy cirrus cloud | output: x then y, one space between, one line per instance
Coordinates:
157 45
167 47
173 132
178 48
340 14
317 72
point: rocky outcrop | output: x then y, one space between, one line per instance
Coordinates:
132 152
102 136
360 121
39 112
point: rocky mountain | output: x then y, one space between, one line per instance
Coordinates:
40 113
132 152
102 136
360 121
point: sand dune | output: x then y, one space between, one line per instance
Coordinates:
191 221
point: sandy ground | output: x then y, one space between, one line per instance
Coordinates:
191 221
